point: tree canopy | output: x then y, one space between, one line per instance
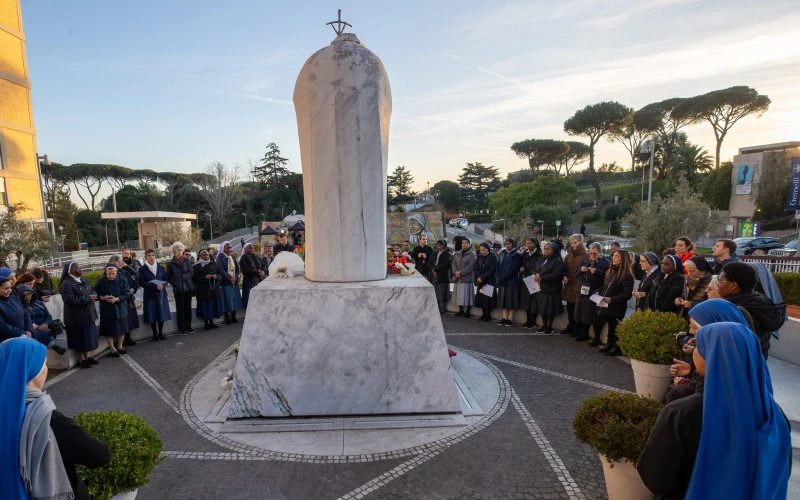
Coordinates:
476 182
398 185
722 109
540 152
595 121
447 193
548 190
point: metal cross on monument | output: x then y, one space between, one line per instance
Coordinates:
339 29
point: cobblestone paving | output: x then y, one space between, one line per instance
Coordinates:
528 452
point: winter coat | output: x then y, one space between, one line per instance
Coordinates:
646 286
531 262
250 266
508 268
666 289
619 290
423 266
117 287
442 266
207 289
551 275
767 316
77 447
39 313
14 319
716 267
222 269
79 310
593 280
486 269
572 264
149 291
179 275
464 262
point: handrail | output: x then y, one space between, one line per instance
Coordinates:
233 234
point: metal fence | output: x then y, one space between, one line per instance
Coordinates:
233 234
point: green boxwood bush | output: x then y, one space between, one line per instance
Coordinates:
135 451
789 285
616 425
92 277
649 336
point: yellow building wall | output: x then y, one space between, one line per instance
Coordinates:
17 133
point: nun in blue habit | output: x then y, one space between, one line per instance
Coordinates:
730 440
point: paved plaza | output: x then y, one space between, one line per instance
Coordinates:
521 448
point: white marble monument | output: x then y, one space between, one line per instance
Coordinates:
344 339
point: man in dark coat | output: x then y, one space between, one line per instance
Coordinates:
736 285
724 252
440 263
422 257
282 245
251 270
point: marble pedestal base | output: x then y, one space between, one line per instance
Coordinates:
337 349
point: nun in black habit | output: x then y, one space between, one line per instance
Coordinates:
113 293
550 278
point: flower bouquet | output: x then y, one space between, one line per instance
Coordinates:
402 266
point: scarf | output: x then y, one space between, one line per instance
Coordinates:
745 442
152 267
231 266
202 263
21 360
40 460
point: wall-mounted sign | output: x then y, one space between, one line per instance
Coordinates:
744 179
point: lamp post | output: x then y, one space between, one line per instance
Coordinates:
651 148
245 219
43 160
61 230
107 243
542 223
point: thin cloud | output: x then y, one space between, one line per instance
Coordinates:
257 97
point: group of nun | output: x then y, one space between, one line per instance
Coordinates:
488 281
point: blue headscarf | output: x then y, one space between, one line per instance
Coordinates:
717 311
21 360
5 272
745 442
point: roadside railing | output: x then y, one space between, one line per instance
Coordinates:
233 234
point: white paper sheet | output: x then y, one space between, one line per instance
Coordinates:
598 299
487 290
533 286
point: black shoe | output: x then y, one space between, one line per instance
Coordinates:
155 337
162 336
485 318
549 331
459 314
527 324
502 322
84 364
233 318
189 329
570 329
129 342
582 337
115 354
213 325
614 351
122 351
595 342
228 318
541 329
92 361
181 333
207 327
60 350
509 322
606 348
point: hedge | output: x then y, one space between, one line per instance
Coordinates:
92 277
789 285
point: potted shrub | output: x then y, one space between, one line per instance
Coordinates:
648 338
135 451
617 426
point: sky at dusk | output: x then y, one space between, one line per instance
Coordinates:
174 85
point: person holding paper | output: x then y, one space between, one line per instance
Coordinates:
155 305
616 291
486 281
590 277
550 278
576 253
209 294
531 257
113 293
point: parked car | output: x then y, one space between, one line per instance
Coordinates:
790 250
463 224
757 246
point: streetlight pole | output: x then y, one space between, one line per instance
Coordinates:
245 219
61 230
107 243
651 146
542 223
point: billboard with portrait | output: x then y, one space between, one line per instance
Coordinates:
410 226
744 179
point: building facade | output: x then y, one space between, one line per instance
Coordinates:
19 166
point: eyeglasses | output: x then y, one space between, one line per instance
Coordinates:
722 281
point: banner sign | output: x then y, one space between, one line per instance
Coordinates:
793 202
746 230
744 179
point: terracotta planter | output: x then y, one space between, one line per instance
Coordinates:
125 495
651 380
623 481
